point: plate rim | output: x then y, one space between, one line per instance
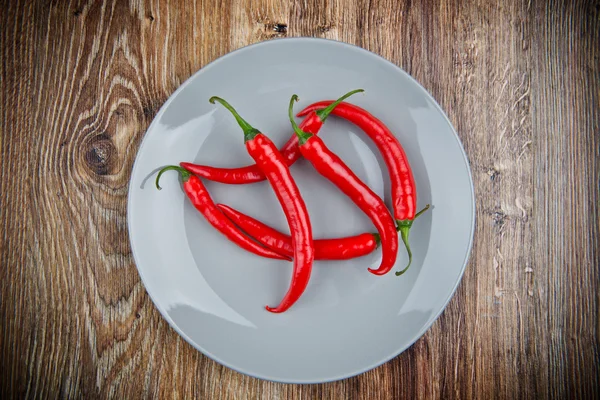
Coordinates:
431 319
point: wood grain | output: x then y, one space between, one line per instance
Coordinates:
81 82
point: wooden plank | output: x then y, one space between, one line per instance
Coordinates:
567 180
80 83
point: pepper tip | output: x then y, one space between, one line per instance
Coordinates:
375 271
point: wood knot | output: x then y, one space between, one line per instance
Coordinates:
493 173
280 29
325 28
150 17
499 217
77 12
150 108
100 154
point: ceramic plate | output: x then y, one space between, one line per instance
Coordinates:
213 293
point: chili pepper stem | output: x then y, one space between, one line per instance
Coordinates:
302 136
404 229
422 211
185 174
249 131
324 113
377 238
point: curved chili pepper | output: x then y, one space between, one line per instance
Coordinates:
328 164
251 173
274 167
200 198
325 249
404 192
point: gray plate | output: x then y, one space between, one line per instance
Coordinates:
213 293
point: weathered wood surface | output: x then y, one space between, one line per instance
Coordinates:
81 82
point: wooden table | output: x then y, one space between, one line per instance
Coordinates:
80 83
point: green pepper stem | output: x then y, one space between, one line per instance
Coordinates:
399 227
404 228
324 113
404 231
302 136
422 211
250 132
377 238
185 174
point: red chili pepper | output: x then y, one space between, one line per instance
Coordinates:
328 164
251 173
325 249
200 198
273 165
404 192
